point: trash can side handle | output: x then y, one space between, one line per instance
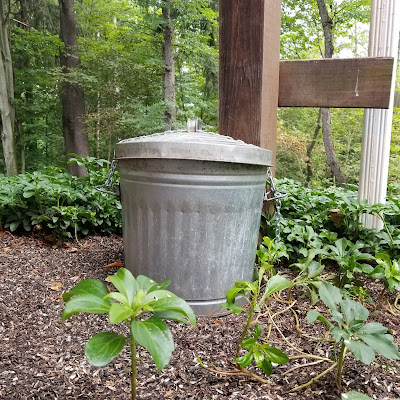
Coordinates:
109 187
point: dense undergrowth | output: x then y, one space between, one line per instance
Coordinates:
53 200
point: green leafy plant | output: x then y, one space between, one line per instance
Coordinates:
270 253
348 257
350 330
142 305
310 270
55 201
261 353
387 269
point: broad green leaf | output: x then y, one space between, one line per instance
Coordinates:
156 295
314 296
232 293
172 316
276 355
118 297
360 351
85 303
353 311
245 361
119 313
339 334
145 283
258 357
266 367
126 284
14 225
248 343
338 317
313 316
102 348
157 286
87 286
232 307
176 304
330 295
372 327
276 284
355 396
154 335
378 272
257 331
314 269
382 344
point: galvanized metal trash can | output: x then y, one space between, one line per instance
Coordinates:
191 208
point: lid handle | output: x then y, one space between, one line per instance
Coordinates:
193 125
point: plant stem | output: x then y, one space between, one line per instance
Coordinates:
133 369
343 350
246 328
314 379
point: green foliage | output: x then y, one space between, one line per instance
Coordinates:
350 329
261 353
270 253
389 270
130 304
57 201
320 219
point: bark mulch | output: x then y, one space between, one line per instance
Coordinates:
43 358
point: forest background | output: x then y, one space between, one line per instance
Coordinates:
144 66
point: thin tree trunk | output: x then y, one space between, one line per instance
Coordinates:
23 19
169 66
333 164
7 98
72 95
310 148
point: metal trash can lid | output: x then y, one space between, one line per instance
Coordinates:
199 145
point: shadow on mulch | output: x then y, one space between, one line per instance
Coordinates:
43 358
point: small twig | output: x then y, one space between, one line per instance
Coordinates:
302 366
290 345
238 372
298 329
396 302
271 317
310 356
314 379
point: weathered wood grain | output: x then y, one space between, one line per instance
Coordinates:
333 83
249 70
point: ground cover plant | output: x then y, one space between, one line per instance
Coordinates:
54 201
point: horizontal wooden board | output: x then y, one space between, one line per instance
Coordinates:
336 83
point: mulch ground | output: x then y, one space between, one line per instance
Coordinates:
43 358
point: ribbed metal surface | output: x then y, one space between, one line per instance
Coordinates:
383 42
193 222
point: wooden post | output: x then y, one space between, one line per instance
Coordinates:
383 42
249 70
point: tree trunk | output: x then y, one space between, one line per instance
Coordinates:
72 95
310 148
7 97
333 164
169 66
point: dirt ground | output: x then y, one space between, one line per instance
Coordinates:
43 358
